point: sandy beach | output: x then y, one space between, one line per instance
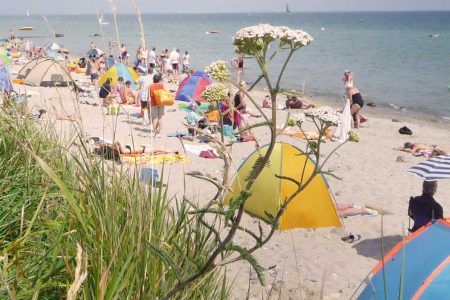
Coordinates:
305 264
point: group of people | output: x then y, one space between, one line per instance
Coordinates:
167 62
120 93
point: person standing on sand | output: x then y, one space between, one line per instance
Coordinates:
239 62
94 70
174 59
124 54
185 60
152 58
356 100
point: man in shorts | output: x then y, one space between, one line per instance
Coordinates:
156 112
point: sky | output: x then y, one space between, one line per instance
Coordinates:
49 7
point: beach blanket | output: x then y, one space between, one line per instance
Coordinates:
197 149
303 135
184 106
151 159
372 212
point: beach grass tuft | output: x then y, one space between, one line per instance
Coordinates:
73 221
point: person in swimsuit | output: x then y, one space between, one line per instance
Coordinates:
416 148
293 102
240 102
355 97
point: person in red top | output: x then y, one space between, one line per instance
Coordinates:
156 112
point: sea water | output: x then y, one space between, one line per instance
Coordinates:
393 57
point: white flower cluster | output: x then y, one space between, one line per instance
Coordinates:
324 114
251 39
218 70
215 92
297 117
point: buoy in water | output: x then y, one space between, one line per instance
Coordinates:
25 28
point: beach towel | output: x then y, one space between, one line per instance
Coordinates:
177 134
303 135
208 154
151 159
341 133
372 212
197 149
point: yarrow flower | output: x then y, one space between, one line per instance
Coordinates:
297 117
324 114
251 40
353 136
218 70
215 92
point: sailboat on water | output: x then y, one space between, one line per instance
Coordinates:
288 11
28 13
100 21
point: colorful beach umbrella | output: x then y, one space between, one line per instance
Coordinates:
435 168
120 70
416 268
94 52
4 59
52 47
56 56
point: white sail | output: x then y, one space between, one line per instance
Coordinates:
100 21
28 13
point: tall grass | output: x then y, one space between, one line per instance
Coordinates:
136 242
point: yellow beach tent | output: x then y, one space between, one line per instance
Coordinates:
120 70
312 208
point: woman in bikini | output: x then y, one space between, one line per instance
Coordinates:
356 100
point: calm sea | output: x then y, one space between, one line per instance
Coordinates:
391 53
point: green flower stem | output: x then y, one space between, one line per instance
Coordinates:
277 87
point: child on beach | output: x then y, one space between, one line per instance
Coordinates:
266 102
192 121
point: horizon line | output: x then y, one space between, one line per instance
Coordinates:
224 13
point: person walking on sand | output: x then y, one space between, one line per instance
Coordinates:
156 112
356 100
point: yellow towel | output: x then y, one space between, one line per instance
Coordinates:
149 159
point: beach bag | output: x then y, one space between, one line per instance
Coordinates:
113 109
405 130
163 97
149 175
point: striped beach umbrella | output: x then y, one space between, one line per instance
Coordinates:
433 169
